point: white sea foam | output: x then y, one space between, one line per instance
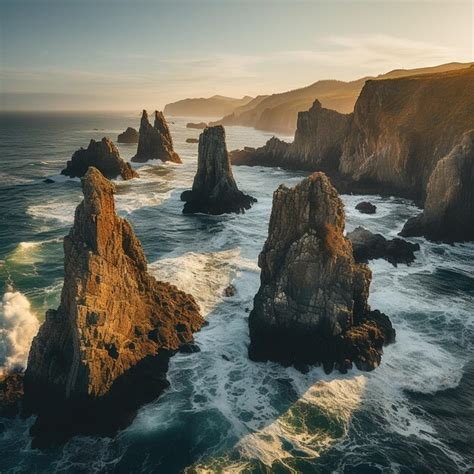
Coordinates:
18 326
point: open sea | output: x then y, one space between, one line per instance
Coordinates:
224 413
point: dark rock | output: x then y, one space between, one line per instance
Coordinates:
366 207
225 357
11 393
303 368
229 291
367 246
129 136
312 303
449 208
189 348
214 188
192 140
48 181
115 329
199 125
102 155
155 142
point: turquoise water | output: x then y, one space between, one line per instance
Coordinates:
224 413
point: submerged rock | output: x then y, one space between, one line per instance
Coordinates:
366 207
449 208
199 125
367 246
155 142
129 136
214 188
102 155
11 393
105 350
312 303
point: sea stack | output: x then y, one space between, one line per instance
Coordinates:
312 306
449 210
214 188
129 136
105 350
155 142
102 155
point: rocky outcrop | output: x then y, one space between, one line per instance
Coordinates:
317 145
449 205
368 246
102 155
214 188
114 330
403 127
155 142
129 136
11 393
199 125
366 207
312 303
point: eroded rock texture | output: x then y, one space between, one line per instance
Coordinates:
368 246
214 188
129 136
449 205
155 142
317 145
102 155
105 350
312 303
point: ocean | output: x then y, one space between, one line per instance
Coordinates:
223 412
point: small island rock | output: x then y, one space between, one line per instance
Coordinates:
129 136
366 207
199 125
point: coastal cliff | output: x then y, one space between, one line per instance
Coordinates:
312 304
214 188
155 142
114 330
102 155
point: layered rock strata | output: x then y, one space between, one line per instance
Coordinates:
214 188
105 350
155 142
368 246
312 304
128 136
102 155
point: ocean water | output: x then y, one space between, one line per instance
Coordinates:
224 413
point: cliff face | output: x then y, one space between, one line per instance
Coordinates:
449 205
403 127
317 144
214 188
102 155
312 303
279 112
155 142
115 328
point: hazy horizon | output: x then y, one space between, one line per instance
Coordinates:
124 56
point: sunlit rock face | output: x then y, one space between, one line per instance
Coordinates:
214 188
317 145
449 205
128 136
105 350
312 303
155 142
102 155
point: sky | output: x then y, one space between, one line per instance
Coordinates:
135 54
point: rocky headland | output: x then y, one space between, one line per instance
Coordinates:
312 306
102 155
105 350
155 142
128 136
368 246
214 188
400 130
